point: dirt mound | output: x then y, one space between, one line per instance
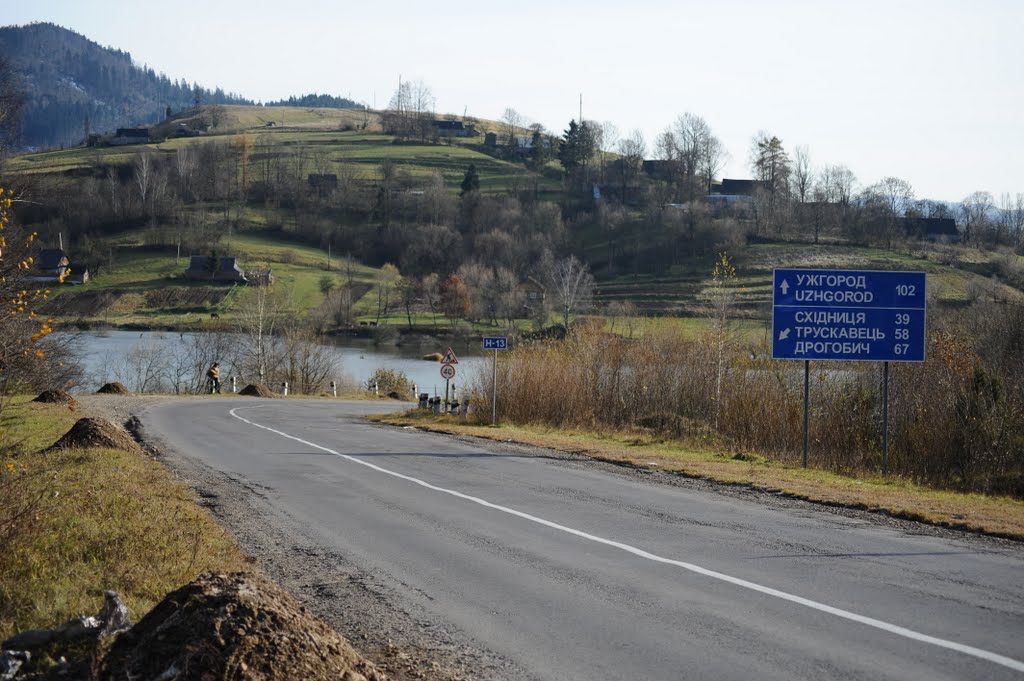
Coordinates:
56 396
92 432
233 626
256 390
114 388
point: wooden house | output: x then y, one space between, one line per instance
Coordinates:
226 269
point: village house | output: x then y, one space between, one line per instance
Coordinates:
52 265
533 293
932 229
226 269
130 136
453 129
733 192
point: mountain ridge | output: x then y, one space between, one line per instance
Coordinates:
73 86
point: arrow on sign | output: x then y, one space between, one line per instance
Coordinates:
784 334
784 286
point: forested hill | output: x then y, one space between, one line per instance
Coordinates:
71 85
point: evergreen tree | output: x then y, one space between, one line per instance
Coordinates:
577 146
471 180
538 155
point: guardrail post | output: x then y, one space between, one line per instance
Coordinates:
284 388
334 389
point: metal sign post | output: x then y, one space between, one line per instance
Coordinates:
885 418
807 408
495 343
849 315
447 373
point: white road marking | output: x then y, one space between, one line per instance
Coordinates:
753 586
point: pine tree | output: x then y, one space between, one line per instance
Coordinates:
471 180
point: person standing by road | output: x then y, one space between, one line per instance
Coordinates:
214 375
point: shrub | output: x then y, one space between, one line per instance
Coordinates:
956 421
390 381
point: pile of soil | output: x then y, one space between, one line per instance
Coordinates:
114 388
56 396
233 626
256 390
100 433
434 357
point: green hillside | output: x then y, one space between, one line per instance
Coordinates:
245 188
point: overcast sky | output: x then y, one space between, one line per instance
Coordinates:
931 91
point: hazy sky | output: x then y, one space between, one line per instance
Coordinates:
931 91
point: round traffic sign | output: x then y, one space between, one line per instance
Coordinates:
447 371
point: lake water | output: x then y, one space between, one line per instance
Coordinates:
358 358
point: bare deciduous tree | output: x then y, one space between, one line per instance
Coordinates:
802 176
143 172
1011 215
571 285
512 121
260 314
632 150
308 363
975 211
698 155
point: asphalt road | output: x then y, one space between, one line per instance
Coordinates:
574 572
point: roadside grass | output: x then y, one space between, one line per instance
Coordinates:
103 520
997 516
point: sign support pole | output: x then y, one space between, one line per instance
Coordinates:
885 418
807 407
446 395
494 390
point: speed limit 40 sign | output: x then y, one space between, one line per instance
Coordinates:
447 372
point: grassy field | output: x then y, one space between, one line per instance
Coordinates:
321 132
101 519
998 516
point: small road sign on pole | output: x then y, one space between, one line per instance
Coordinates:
447 372
495 343
449 357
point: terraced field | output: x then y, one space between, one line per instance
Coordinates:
685 292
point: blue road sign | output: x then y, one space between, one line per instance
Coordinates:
848 315
496 343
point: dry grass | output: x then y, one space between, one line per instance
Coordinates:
100 519
998 516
